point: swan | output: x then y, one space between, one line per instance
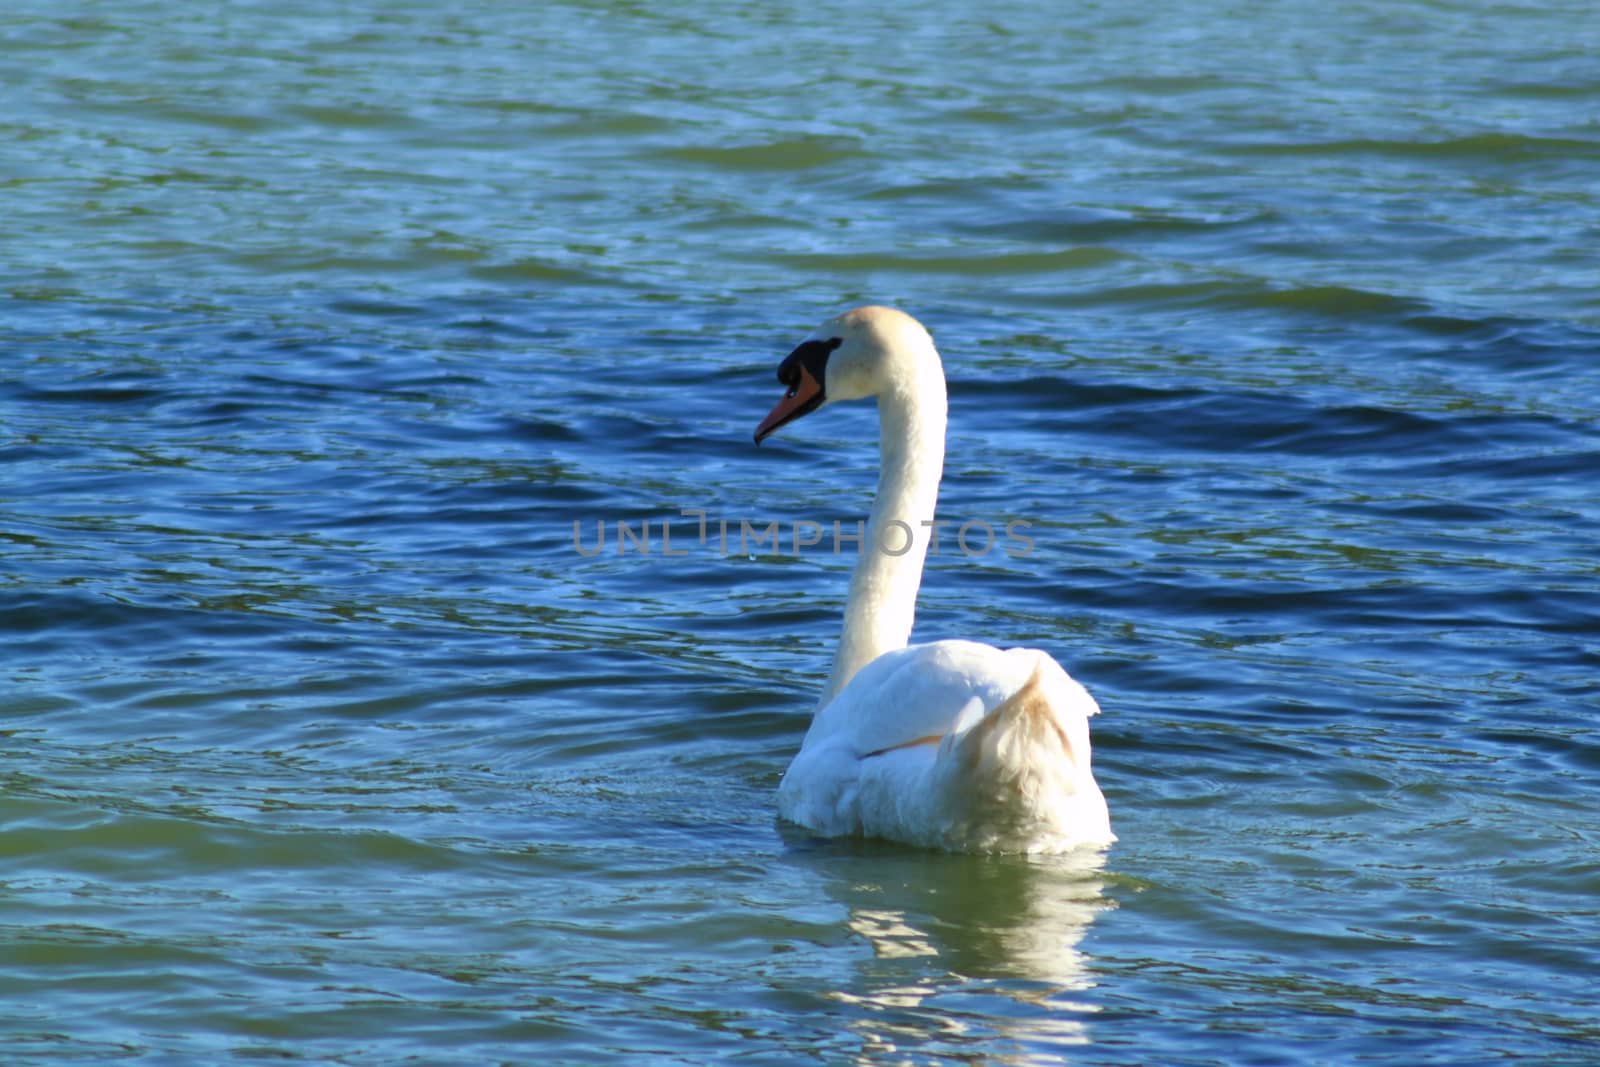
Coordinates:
950 744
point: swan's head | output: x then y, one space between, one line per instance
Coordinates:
862 353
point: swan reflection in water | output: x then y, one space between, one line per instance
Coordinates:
973 951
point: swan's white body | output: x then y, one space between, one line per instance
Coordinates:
951 744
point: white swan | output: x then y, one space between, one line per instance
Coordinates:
950 744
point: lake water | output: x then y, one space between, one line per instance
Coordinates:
322 741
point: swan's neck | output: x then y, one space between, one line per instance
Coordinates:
883 586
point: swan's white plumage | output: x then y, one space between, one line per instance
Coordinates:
927 746
950 744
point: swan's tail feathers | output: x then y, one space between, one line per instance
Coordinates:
1023 729
1022 772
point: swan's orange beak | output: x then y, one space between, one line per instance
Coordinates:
803 396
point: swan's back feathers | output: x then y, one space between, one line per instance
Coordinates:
957 745
918 691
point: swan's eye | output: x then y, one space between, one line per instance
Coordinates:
812 356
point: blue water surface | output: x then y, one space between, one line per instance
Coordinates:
323 739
